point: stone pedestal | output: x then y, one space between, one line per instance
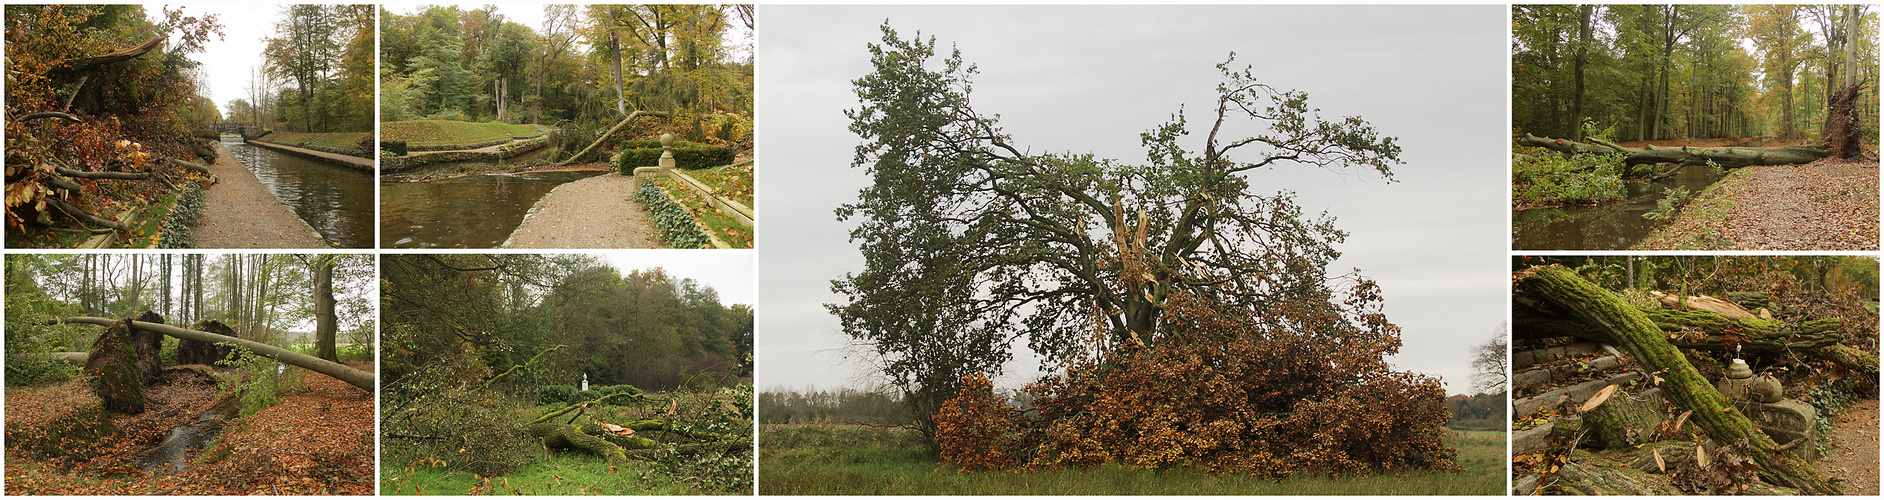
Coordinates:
1788 421
667 151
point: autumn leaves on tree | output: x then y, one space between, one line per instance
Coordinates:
1201 331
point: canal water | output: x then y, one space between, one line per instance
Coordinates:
336 201
472 211
1608 227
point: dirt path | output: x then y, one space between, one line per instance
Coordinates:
1825 205
597 212
241 213
1853 452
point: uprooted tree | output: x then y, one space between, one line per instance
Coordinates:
1726 157
971 245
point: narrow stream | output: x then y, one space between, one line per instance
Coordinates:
174 451
1607 227
337 201
473 211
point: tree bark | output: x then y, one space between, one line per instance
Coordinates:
565 436
1682 384
326 320
357 378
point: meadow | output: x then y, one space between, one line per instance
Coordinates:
851 459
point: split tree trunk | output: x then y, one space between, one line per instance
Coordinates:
357 378
1726 157
1562 288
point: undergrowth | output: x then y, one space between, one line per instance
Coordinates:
1542 180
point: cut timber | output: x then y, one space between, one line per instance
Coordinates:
357 378
1726 157
1683 385
1622 421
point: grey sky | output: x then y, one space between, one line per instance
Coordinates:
1091 78
229 60
729 272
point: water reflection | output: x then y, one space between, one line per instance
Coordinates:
1607 227
473 211
337 201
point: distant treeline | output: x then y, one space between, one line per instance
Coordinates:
880 406
1483 412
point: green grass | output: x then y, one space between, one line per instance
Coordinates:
838 459
451 132
341 140
562 473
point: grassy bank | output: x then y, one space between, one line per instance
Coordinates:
336 140
435 132
842 459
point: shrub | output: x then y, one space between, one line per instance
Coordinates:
449 114
628 159
677 225
699 157
398 148
973 430
1550 179
687 155
552 394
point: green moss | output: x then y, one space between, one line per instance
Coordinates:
113 370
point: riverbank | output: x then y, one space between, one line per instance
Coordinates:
354 162
597 212
1829 204
239 212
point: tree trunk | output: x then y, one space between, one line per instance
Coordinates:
357 378
611 131
326 320
1621 422
1726 157
1691 329
1584 14
565 436
1563 289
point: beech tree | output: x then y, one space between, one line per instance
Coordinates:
971 243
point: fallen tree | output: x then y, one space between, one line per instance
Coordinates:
611 132
1536 317
1682 384
358 378
1726 157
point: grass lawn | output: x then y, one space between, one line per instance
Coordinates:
340 140
431 132
839 459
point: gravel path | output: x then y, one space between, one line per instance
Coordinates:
1852 455
240 213
597 212
1824 205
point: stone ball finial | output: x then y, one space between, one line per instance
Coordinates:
667 140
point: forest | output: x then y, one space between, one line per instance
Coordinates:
490 359
315 73
1686 375
562 95
108 393
1676 126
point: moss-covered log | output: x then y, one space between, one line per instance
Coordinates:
1533 318
1589 475
563 436
1682 384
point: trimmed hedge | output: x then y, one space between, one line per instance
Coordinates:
677 225
568 394
398 148
687 155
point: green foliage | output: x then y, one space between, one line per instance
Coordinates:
398 148
256 379
687 156
178 229
550 394
28 337
1829 400
677 225
1670 202
1548 179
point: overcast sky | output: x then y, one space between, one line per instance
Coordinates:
729 272
229 60
1091 78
